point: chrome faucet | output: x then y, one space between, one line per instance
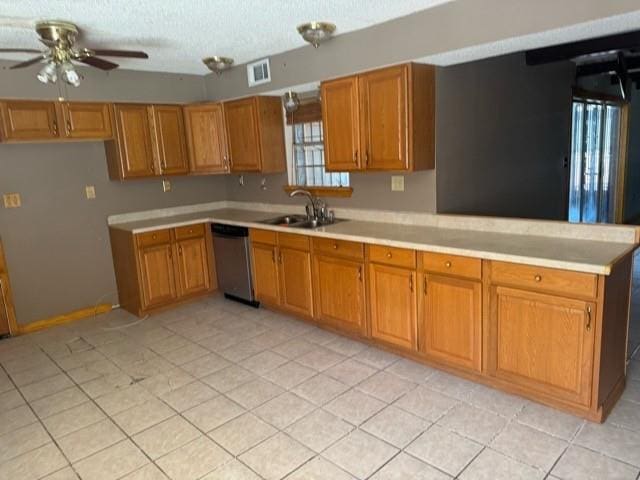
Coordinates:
317 206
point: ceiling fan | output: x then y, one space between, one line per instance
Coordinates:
59 37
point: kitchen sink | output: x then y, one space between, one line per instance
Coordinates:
298 221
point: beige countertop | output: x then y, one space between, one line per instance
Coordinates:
579 255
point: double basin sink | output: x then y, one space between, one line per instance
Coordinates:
299 221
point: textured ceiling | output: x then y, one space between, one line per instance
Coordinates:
177 35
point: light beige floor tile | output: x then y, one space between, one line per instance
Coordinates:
92 371
206 365
213 413
445 450
426 403
615 442
15 418
59 402
220 342
318 430
319 469
355 407
320 389
474 423
66 473
166 381
186 354
360 454
386 387
168 344
189 396
404 467
320 337
34 464
271 338
529 446
498 402
411 371
46 387
276 457
107 384
282 411
242 433
491 465
233 470
294 348
79 359
395 426
22 440
32 375
10 399
578 463
625 414
121 400
148 472
632 391
549 420
193 460
263 362
376 358
346 346
350 372
73 419
254 393
451 386
89 440
166 437
228 378
320 358
241 351
289 375
143 416
111 463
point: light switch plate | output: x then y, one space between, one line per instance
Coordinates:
397 183
90 192
12 200
166 185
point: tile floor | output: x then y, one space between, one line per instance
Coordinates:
215 390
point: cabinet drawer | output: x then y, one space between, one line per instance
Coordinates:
400 257
561 282
291 240
190 231
452 265
340 248
156 237
263 236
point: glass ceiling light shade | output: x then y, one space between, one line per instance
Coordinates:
69 74
316 32
48 73
218 64
291 101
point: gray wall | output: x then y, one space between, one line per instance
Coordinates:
503 132
57 243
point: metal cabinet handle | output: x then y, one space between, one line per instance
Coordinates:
55 127
280 257
273 255
335 246
389 255
366 157
447 264
355 157
424 285
68 126
180 250
588 318
538 278
411 282
360 273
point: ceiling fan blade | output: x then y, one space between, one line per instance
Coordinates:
120 53
28 62
19 50
100 63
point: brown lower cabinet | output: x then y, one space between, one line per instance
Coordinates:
555 336
158 268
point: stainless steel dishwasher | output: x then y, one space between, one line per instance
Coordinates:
233 262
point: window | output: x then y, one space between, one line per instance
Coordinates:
308 158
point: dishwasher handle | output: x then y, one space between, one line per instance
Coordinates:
232 231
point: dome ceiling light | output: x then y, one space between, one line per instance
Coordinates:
218 64
316 32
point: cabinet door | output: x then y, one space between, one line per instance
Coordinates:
451 321
393 305
542 342
4 310
265 273
339 293
193 265
29 120
170 139
241 118
341 124
157 273
84 120
295 279
136 155
383 110
206 138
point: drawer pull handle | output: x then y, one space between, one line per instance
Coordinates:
273 255
191 230
360 273
154 236
69 129
538 278
389 255
424 285
335 246
447 264
411 282
588 318
180 250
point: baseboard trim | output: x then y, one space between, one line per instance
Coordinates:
64 318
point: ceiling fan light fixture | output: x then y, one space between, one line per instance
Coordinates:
291 101
218 64
70 74
316 32
48 73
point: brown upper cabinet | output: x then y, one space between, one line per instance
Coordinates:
32 121
255 133
149 141
206 138
382 120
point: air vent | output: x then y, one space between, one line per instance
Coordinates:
259 72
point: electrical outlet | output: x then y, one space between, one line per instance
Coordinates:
397 183
90 192
166 185
12 200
